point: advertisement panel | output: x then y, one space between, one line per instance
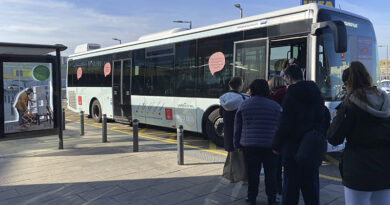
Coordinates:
330 3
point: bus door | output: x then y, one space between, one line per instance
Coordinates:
250 60
287 51
121 89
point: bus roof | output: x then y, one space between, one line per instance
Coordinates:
303 10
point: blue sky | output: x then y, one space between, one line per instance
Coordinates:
73 22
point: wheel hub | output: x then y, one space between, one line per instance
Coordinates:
218 127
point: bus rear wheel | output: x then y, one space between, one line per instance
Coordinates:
96 111
214 127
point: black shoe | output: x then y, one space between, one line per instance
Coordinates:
273 202
250 201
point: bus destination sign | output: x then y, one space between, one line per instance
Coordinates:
330 3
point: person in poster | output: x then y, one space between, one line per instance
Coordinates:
22 104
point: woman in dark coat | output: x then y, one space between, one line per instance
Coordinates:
278 91
363 119
254 128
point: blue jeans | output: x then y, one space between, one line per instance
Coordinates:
21 113
355 197
302 178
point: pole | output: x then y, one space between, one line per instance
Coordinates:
387 61
81 123
180 146
63 118
135 135
190 25
240 12
104 128
58 100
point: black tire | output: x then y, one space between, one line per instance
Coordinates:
214 127
96 111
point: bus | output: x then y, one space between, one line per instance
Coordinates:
175 77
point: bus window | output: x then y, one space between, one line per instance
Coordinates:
282 52
159 76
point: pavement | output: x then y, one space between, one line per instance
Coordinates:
87 171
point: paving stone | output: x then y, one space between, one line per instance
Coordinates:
139 194
171 186
210 199
66 200
173 198
103 201
4 195
102 193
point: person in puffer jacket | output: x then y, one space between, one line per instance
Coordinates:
363 119
230 102
255 126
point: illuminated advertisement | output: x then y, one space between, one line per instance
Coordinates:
27 89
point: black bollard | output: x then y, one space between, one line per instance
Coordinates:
135 135
81 123
180 145
63 118
104 130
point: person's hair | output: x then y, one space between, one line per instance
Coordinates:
30 90
294 72
276 81
235 83
259 87
345 75
359 80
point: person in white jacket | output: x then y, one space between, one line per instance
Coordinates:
230 102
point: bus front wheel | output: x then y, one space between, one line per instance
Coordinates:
96 111
214 127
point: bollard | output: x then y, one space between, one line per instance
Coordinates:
81 123
63 118
135 135
104 130
180 146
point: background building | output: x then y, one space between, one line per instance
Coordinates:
385 73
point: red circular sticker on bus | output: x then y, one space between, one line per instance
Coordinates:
107 69
79 73
216 62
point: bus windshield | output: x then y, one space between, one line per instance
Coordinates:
362 47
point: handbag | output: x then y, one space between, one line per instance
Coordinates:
235 168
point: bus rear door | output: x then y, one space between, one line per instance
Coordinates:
121 90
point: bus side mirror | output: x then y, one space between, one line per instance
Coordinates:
339 33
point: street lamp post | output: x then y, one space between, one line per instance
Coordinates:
190 22
239 7
387 59
115 39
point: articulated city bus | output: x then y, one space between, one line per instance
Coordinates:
176 77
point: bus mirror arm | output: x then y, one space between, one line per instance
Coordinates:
339 33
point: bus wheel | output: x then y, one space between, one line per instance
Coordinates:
214 127
96 111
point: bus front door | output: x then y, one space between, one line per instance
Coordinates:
250 60
121 90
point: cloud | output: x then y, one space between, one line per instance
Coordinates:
53 21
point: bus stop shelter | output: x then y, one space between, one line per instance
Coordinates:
31 90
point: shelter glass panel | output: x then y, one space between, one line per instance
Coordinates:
27 103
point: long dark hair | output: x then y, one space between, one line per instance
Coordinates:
359 80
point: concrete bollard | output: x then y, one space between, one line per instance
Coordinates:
81 123
63 118
104 128
180 145
135 135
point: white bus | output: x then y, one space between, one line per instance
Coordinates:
176 77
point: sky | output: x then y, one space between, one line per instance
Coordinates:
74 22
